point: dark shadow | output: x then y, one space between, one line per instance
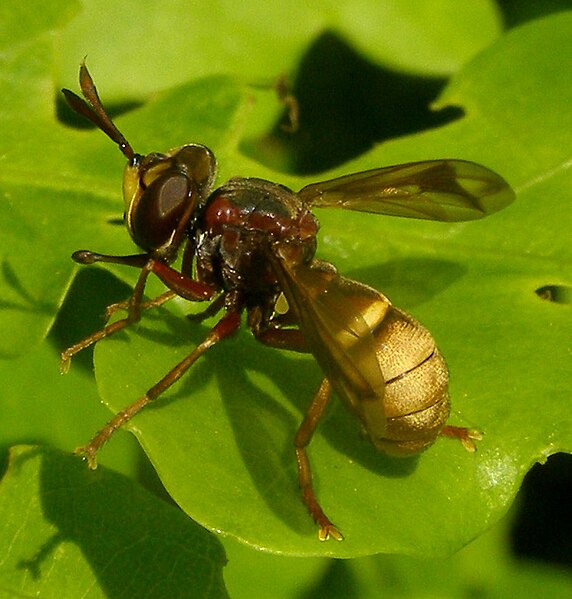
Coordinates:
263 427
542 529
117 525
83 311
347 105
559 294
517 12
4 461
338 582
27 303
409 282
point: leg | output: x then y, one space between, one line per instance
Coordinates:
467 436
213 308
293 340
301 441
133 315
181 284
226 326
290 339
274 335
177 283
152 303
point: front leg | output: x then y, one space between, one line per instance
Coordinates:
133 315
178 284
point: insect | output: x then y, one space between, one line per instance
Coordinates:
250 243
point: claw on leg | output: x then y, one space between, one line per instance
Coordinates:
89 453
467 436
65 363
326 532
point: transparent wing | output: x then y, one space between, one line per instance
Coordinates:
445 190
336 316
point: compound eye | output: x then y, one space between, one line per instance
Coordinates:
159 210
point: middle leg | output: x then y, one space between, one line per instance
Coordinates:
225 327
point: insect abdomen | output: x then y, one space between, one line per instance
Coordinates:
416 399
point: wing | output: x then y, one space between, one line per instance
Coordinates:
445 190
337 316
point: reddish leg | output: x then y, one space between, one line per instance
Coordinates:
290 339
178 284
183 285
301 441
467 436
293 339
226 326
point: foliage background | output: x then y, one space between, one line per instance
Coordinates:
364 74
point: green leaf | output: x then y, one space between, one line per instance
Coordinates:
58 535
168 43
485 567
221 440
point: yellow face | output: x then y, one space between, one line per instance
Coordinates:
138 176
131 190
